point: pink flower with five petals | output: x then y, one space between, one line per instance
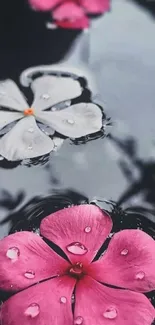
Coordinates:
45 282
71 13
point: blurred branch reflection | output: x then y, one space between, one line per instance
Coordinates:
148 5
144 182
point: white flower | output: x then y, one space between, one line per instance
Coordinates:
25 139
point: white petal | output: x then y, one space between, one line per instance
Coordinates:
78 70
11 96
75 121
50 90
8 117
25 140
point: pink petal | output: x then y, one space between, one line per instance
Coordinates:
95 6
82 23
129 262
25 259
79 231
43 304
70 15
96 304
43 5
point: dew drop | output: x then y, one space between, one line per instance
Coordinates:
71 122
78 320
45 96
73 299
124 252
30 148
140 275
33 310
53 109
68 102
13 253
77 248
87 229
31 130
63 300
29 274
110 313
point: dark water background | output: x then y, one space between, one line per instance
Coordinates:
118 167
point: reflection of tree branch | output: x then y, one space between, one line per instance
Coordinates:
149 5
134 189
146 181
9 202
126 170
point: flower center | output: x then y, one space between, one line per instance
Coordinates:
29 111
76 270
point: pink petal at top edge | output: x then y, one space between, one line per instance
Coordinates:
70 15
129 262
43 5
82 23
79 231
95 6
96 304
68 10
46 303
25 259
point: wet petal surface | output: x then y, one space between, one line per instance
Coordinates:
25 140
97 304
43 5
129 262
50 90
26 259
75 121
79 230
46 303
8 117
80 23
11 96
68 11
95 6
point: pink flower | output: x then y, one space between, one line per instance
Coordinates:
46 281
71 13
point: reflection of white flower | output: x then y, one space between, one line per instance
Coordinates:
25 139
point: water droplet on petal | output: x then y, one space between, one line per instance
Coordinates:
53 109
70 121
13 253
68 102
140 275
29 274
124 252
77 248
73 299
30 130
33 310
46 96
87 229
110 313
78 320
63 300
30 148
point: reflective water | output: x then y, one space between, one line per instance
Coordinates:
118 168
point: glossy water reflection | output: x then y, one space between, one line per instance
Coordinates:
118 168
